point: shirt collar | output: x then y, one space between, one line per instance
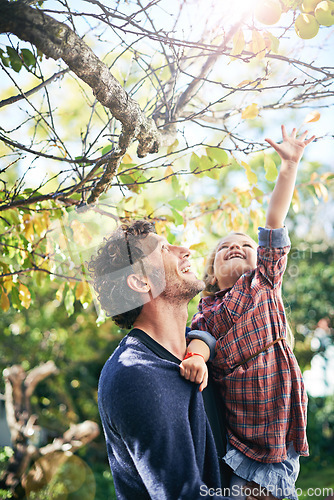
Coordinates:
220 293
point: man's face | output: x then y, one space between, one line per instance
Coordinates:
235 255
170 274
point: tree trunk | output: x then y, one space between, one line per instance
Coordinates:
19 387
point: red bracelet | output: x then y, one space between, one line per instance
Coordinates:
190 354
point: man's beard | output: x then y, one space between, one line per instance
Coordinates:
175 291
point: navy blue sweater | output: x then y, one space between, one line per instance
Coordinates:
159 442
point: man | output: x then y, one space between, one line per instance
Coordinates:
159 442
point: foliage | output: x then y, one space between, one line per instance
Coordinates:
63 146
308 293
317 469
5 453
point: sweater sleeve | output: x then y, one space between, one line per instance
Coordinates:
151 415
205 337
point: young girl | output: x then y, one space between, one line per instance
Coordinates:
257 374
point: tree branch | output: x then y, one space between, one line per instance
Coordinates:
57 40
30 92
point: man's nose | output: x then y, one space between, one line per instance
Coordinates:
183 252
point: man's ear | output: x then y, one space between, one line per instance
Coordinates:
138 284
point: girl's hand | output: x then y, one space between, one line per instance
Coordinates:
291 149
195 370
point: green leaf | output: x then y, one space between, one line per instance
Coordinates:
257 194
178 218
28 57
206 163
274 42
194 162
4 58
133 177
15 60
178 204
126 179
16 298
170 236
217 154
270 168
69 302
106 149
176 184
40 278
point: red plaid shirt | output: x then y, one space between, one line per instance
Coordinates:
265 398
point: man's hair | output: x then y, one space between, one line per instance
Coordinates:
111 266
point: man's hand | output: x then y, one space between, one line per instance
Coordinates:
195 370
291 149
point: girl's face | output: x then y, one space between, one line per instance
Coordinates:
235 255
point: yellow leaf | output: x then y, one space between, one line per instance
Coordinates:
48 248
82 292
160 227
312 117
237 222
199 224
46 220
79 290
4 301
229 224
254 216
258 45
28 230
257 194
168 174
127 160
244 83
62 241
172 147
321 191
199 247
40 224
59 293
7 283
24 296
270 169
250 112
80 234
251 176
295 201
272 43
254 83
238 43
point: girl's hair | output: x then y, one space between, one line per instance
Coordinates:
210 289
